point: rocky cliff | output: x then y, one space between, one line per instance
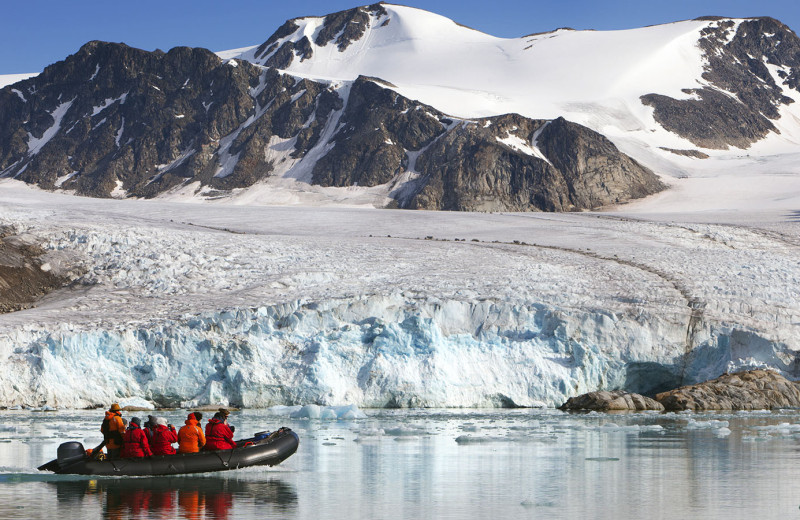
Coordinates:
116 121
747 64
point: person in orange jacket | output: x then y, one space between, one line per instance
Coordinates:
134 442
190 437
113 429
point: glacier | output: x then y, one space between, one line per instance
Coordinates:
379 351
194 304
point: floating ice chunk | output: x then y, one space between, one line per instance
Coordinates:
349 412
722 432
136 402
313 411
706 425
283 410
371 432
403 431
327 413
779 429
309 411
651 428
473 439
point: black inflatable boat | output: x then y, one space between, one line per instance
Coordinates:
264 449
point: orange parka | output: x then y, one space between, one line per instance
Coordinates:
113 429
190 437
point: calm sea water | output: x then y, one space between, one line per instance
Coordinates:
438 464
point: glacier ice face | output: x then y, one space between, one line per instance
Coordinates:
377 351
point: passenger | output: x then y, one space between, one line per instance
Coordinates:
113 429
163 437
150 427
135 441
219 436
190 437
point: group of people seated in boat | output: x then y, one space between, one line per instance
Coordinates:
156 436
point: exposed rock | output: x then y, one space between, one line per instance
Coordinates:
347 26
604 401
697 154
743 98
511 163
377 128
753 390
25 277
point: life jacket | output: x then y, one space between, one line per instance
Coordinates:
190 437
162 440
218 436
135 443
112 429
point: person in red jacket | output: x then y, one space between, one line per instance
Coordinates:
219 435
134 441
163 436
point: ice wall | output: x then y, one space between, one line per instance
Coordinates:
373 351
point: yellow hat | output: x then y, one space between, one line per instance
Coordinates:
114 408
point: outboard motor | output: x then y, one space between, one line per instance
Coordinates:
69 453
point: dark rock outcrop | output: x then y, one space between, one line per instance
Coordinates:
696 154
617 400
743 97
342 29
512 163
377 128
753 390
24 276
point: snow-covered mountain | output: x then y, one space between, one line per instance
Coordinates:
710 83
275 122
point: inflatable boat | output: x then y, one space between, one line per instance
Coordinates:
264 449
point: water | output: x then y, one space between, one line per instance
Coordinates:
438 464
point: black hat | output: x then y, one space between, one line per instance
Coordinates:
136 421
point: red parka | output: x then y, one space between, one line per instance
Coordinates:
134 443
163 437
218 436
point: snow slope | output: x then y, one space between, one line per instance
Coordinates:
10 79
258 306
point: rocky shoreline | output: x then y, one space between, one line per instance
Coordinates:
751 390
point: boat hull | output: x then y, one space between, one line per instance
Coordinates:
267 452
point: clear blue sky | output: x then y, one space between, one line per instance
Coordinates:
36 33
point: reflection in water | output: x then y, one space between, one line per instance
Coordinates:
443 464
192 498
